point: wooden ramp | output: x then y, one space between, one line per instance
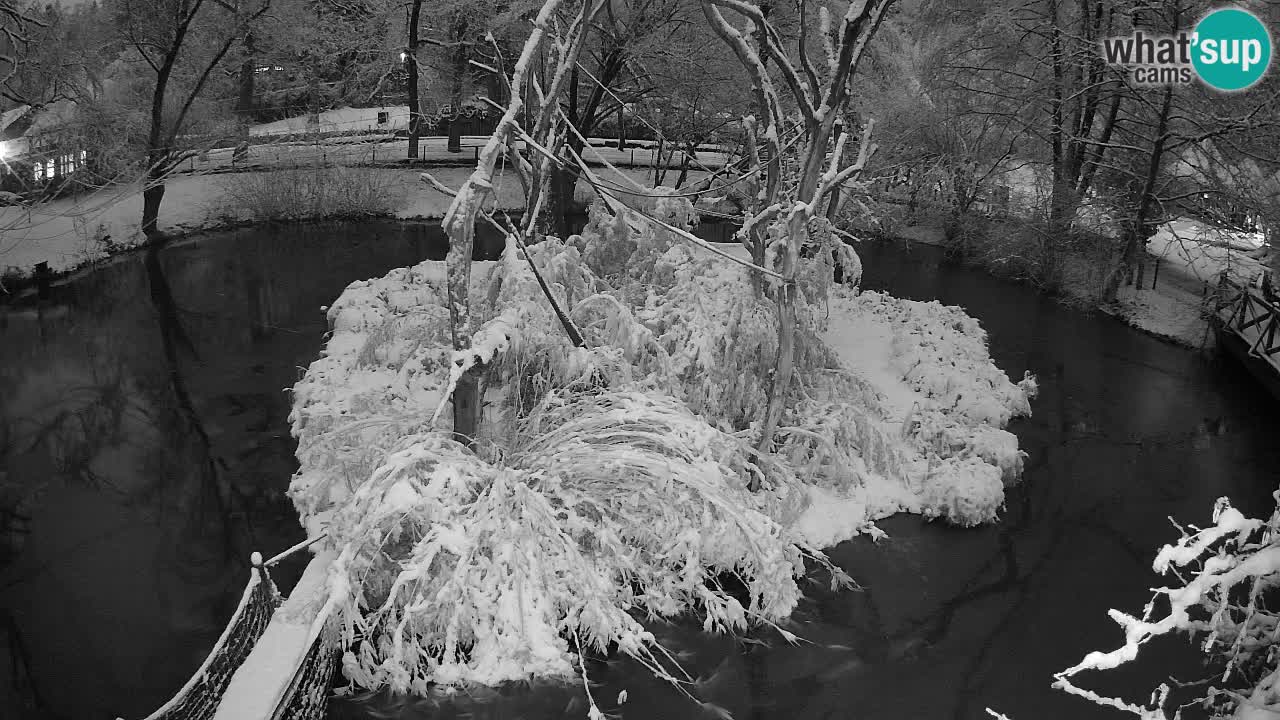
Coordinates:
1248 326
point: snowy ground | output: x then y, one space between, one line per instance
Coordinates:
70 232
386 149
1185 259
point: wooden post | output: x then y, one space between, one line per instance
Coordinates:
43 278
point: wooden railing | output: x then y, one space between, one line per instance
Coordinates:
1246 312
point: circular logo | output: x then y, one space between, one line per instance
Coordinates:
1232 49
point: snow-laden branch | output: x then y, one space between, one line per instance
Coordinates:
459 220
835 177
1228 558
772 45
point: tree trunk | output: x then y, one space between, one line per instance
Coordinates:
557 207
458 33
455 133
684 165
659 167
244 99
466 396
151 197
622 127
1060 206
466 407
411 67
1136 227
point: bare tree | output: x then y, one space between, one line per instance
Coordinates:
818 96
537 125
165 34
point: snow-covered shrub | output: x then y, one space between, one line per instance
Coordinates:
382 370
608 507
311 193
964 489
1225 595
943 354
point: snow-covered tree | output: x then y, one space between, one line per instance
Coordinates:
789 205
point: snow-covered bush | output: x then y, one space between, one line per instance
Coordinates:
608 506
1224 596
311 192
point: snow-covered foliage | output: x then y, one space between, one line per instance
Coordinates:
608 483
609 505
1224 595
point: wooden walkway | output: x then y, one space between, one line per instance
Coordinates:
1248 325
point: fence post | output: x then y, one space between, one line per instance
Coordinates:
633 157
1155 274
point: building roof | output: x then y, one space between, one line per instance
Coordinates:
27 120
15 123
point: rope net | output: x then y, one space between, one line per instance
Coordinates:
199 698
306 698
308 694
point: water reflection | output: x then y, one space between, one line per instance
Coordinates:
1128 430
145 446
145 450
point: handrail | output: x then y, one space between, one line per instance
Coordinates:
1252 316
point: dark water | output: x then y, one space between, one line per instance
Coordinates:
145 445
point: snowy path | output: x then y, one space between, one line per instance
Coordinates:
1189 258
70 232
386 150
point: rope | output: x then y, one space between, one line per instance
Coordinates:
682 234
257 557
571 329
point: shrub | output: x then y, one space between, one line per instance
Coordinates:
311 193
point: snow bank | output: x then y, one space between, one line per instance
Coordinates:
1191 257
1205 252
945 403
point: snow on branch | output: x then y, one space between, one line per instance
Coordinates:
1234 553
834 177
773 46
